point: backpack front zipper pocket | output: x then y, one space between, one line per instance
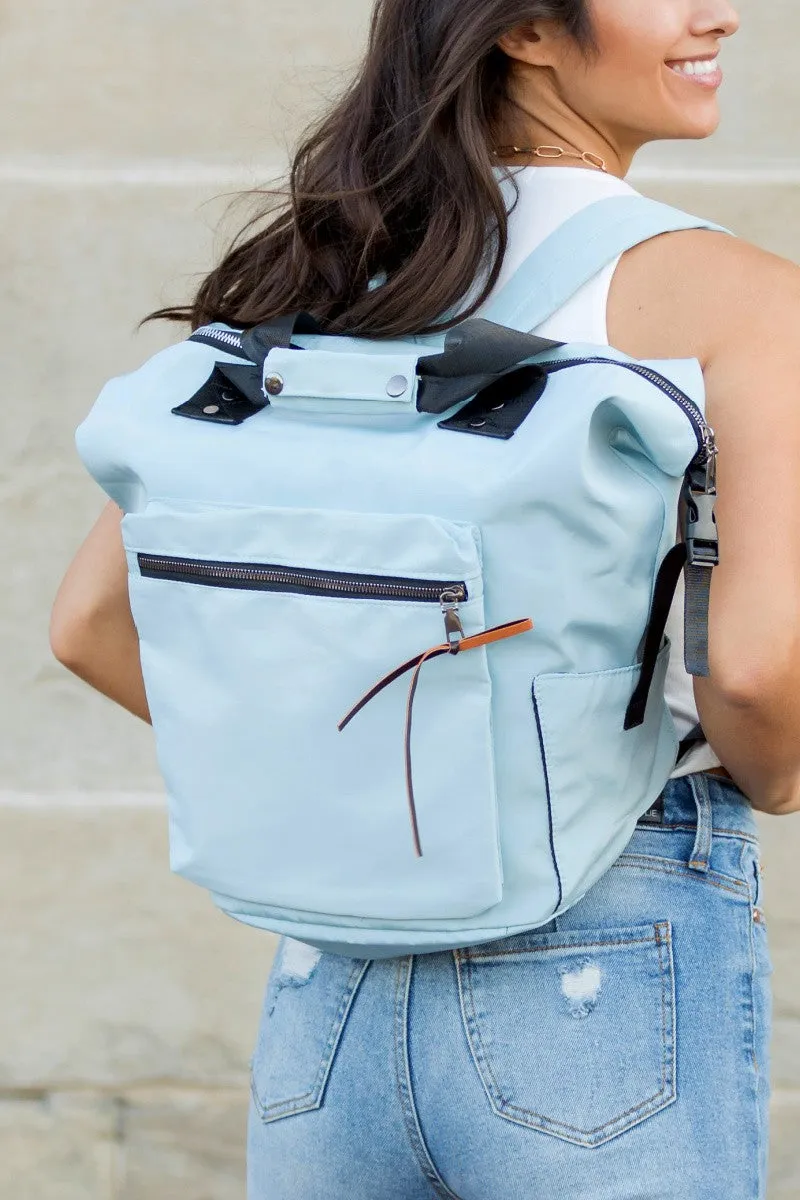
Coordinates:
259 628
263 577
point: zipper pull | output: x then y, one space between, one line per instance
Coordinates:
709 460
453 629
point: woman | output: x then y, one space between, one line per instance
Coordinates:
494 1073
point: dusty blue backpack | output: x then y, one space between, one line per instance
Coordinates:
402 604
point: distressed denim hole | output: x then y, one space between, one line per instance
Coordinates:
296 965
581 986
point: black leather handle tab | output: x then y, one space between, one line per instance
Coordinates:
476 354
478 346
259 341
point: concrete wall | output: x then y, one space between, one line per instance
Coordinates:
128 1006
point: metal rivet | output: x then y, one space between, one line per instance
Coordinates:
211 409
274 384
476 424
397 385
497 407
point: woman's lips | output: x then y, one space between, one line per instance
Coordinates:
709 79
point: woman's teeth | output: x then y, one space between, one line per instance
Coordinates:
706 66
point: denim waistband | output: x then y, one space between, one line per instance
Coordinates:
713 803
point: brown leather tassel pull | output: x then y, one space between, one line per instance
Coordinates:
455 646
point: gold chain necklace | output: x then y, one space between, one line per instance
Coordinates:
591 160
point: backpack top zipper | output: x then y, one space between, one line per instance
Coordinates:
706 446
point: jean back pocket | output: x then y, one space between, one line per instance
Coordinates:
573 1032
308 999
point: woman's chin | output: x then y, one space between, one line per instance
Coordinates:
694 124
698 115
700 130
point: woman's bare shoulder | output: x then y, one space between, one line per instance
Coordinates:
686 294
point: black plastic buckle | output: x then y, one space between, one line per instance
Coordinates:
700 527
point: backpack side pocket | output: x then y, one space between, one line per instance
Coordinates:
600 777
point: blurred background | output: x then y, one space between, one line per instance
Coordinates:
128 1006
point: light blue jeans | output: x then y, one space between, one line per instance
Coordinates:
619 1053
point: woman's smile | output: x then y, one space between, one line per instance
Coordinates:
703 71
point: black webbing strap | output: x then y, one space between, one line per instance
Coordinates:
698 554
702 541
698 601
695 738
700 531
666 585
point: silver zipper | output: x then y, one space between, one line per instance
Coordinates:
706 445
266 577
221 339
226 336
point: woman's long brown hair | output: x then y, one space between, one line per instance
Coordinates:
395 182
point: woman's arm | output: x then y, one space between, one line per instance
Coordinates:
750 706
91 628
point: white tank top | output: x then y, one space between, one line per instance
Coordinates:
547 197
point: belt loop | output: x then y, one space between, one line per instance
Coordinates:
701 854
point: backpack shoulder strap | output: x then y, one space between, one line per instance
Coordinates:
580 248
573 254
